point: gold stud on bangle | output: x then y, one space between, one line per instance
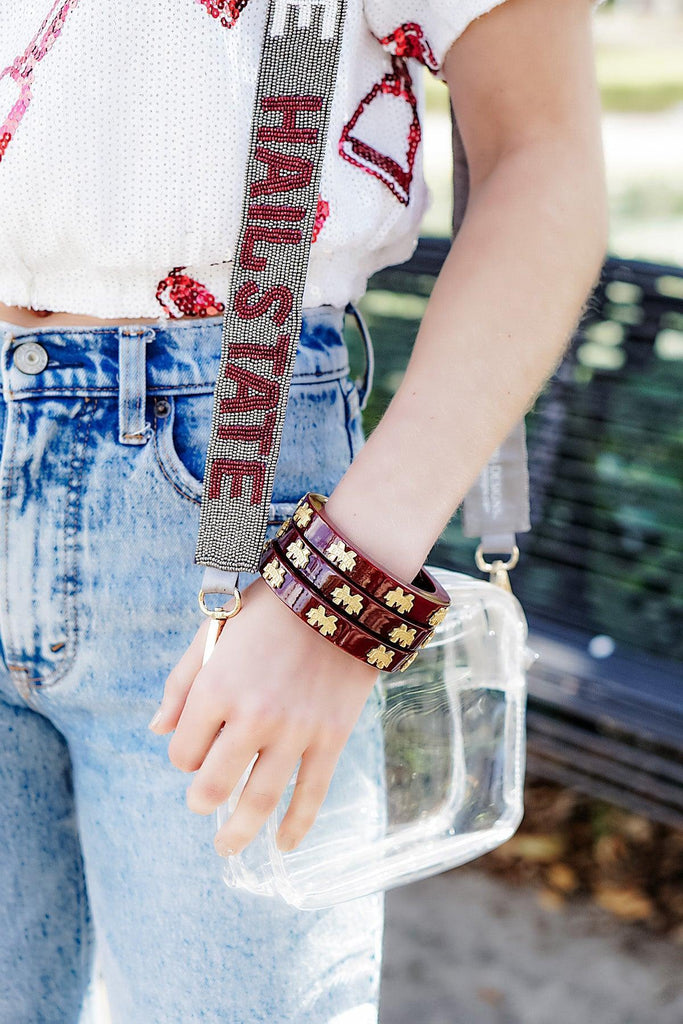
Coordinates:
282 529
437 617
326 624
298 554
353 603
344 557
380 657
408 661
303 515
427 639
273 573
396 598
402 635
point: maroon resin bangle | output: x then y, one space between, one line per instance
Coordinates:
353 602
423 602
327 619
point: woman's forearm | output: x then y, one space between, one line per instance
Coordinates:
500 316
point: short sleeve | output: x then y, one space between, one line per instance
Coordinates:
426 29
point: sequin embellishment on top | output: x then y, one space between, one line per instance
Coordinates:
22 68
121 196
395 91
408 40
190 297
226 12
321 214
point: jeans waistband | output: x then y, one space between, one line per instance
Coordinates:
175 357
134 361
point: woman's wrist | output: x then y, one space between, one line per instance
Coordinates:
386 507
338 588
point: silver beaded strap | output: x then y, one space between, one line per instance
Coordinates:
262 322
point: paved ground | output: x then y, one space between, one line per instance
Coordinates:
463 948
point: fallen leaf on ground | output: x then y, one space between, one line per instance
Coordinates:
628 904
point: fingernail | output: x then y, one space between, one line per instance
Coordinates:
225 851
155 720
286 843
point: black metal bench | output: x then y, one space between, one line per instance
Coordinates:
601 572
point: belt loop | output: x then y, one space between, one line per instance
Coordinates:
133 427
7 339
365 386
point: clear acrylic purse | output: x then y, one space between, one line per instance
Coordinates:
432 774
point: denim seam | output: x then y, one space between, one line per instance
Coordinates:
70 557
347 417
157 454
10 654
87 938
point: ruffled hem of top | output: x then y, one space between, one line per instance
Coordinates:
195 290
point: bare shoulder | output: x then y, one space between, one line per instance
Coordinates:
521 72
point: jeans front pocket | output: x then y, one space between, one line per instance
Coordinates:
182 427
321 435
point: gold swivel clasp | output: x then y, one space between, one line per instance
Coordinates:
498 569
218 617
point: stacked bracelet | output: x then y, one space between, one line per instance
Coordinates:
366 610
345 596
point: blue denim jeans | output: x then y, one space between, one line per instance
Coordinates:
103 433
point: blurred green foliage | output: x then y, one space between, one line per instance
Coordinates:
648 78
632 75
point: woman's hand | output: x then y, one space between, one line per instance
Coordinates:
271 686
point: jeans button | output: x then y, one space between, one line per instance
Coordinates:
30 357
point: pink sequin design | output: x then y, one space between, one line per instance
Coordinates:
408 40
397 85
226 12
22 68
321 214
189 297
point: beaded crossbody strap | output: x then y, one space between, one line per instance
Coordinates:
262 322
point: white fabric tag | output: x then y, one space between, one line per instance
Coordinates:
497 504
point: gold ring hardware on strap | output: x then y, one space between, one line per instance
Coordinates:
498 569
218 617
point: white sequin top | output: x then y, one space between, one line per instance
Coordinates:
123 141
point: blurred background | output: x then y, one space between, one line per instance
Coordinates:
580 916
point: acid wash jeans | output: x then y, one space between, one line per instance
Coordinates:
103 433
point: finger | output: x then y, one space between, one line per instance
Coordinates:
269 777
228 758
178 684
205 710
312 784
